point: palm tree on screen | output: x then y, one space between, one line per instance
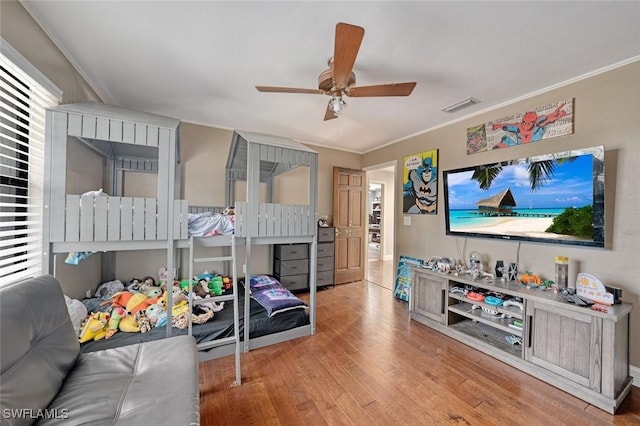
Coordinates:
539 173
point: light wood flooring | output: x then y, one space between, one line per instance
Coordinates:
368 364
379 272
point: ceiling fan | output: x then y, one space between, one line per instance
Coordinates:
339 80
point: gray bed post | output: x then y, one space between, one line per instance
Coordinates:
313 229
115 188
166 179
247 293
230 177
47 256
252 199
269 194
55 187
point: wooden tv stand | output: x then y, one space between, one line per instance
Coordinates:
579 350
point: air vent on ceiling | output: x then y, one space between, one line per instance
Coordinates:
461 104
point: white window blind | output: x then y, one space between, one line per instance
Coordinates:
23 101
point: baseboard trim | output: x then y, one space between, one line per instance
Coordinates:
635 373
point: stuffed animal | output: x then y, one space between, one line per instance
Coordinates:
213 306
132 302
120 299
137 303
226 282
141 286
154 292
231 210
202 288
178 295
202 318
112 326
153 312
180 321
108 289
143 321
94 327
163 275
179 308
215 285
128 324
184 285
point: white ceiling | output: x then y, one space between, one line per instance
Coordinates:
200 61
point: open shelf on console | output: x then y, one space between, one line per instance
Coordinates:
510 311
466 310
488 334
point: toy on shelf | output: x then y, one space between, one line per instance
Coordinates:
530 279
512 302
512 271
592 288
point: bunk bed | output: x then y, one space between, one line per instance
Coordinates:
141 142
256 159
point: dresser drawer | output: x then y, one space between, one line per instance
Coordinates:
325 264
325 249
294 282
326 234
291 251
324 278
291 267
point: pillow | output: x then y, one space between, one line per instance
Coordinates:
272 296
263 281
77 312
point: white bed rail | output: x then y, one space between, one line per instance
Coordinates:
274 220
89 218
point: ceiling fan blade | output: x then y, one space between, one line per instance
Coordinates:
393 89
347 43
329 114
275 89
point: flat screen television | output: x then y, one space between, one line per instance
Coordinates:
553 198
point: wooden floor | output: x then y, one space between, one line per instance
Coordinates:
369 365
379 272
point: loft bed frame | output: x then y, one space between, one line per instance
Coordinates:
142 142
128 141
258 158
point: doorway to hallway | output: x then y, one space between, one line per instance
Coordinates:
380 226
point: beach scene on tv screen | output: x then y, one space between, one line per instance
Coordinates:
560 207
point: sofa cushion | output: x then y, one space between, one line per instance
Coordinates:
38 346
152 383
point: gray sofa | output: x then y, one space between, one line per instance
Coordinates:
45 379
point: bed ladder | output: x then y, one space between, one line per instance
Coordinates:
235 338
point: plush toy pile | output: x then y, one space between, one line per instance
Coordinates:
142 304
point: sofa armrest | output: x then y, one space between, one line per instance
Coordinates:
38 346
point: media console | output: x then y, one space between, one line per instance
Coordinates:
579 350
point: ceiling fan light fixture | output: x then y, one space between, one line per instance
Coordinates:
460 104
337 104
